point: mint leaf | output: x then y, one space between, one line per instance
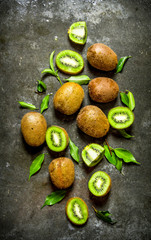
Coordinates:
125 155
104 215
28 105
74 151
54 198
82 79
121 63
45 103
36 164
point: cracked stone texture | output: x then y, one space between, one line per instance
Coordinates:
29 32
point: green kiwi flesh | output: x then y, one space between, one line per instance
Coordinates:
77 211
99 184
78 32
56 138
70 62
120 117
92 154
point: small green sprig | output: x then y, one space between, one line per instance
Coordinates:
41 87
104 215
36 164
51 70
28 105
117 156
81 79
54 198
128 99
74 151
121 63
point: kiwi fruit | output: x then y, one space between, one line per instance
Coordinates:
99 184
78 32
70 62
77 211
62 172
120 117
68 98
92 154
33 128
57 138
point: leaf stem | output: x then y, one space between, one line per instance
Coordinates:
108 146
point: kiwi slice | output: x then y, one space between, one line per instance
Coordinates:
77 211
92 154
57 138
78 32
99 184
120 117
69 62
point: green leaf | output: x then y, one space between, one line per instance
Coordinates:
45 103
124 98
36 164
51 61
74 151
109 157
118 164
41 86
48 70
125 155
104 215
131 99
28 105
54 198
121 63
83 79
124 133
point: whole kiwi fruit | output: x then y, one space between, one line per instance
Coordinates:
103 89
77 211
33 128
62 172
68 98
102 57
92 121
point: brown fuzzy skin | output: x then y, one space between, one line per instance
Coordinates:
92 121
103 89
68 98
67 206
102 57
33 127
61 172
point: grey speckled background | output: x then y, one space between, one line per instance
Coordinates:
29 32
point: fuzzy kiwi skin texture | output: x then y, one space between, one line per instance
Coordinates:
68 98
103 90
62 172
102 57
67 208
33 128
92 121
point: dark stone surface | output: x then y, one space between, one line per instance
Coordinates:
29 32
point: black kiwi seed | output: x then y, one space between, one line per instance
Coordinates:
77 211
70 62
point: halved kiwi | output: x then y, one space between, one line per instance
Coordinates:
77 211
70 62
99 184
78 32
120 117
57 138
92 154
